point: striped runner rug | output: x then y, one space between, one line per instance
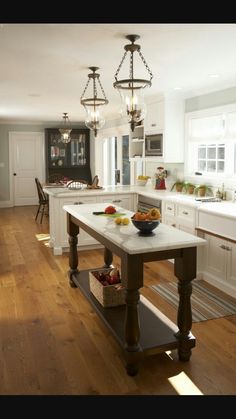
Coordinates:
207 302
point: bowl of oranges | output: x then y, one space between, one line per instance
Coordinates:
146 222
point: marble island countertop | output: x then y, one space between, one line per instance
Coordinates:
127 237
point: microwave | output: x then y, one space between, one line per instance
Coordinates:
154 144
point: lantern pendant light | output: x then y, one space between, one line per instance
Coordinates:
65 130
132 89
94 119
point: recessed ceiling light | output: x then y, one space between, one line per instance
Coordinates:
177 88
214 76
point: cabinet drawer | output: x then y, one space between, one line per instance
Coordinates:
186 213
124 201
169 208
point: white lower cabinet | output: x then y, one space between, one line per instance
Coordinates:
180 216
220 263
118 200
58 223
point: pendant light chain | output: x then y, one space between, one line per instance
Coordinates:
145 63
95 93
100 84
85 89
118 69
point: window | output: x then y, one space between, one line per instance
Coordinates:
211 158
210 144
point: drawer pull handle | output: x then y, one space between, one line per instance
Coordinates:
116 200
169 208
185 212
80 202
222 246
229 249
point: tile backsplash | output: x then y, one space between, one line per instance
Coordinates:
174 171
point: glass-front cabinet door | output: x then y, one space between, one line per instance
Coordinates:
78 151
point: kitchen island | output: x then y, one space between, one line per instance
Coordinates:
139 327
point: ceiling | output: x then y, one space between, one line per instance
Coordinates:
44 67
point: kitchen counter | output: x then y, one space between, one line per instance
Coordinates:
226 208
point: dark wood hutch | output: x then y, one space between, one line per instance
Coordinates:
70 160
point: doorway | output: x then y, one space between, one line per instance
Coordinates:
26 162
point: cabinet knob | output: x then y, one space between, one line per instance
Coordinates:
116 200
169 208
222 246
153 125
173 225
78 203
185 212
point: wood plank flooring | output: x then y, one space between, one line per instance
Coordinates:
53 343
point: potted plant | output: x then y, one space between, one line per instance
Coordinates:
189 187
203 190
178 185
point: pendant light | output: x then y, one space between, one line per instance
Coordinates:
94 119
65 130
131 89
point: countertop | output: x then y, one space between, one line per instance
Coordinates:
225 208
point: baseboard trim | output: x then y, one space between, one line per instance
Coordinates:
6 204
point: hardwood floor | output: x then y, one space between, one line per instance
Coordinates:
53 343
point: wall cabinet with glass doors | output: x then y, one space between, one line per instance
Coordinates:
69 160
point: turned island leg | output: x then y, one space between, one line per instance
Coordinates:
73 231
132 276
185 270
108 258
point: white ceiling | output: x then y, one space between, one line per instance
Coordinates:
44 67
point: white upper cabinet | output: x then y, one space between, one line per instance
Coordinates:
154 120
167 116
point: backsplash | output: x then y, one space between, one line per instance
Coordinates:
176 171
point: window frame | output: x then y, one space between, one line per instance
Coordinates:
192 143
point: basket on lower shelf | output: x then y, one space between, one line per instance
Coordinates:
107 295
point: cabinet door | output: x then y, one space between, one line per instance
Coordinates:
154 120
231 262
185 215
215 257
124 201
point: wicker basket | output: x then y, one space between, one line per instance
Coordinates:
108 295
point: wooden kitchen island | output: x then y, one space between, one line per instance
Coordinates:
140 328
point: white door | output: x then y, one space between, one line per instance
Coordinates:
26 150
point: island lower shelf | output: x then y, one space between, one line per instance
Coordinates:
157 332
